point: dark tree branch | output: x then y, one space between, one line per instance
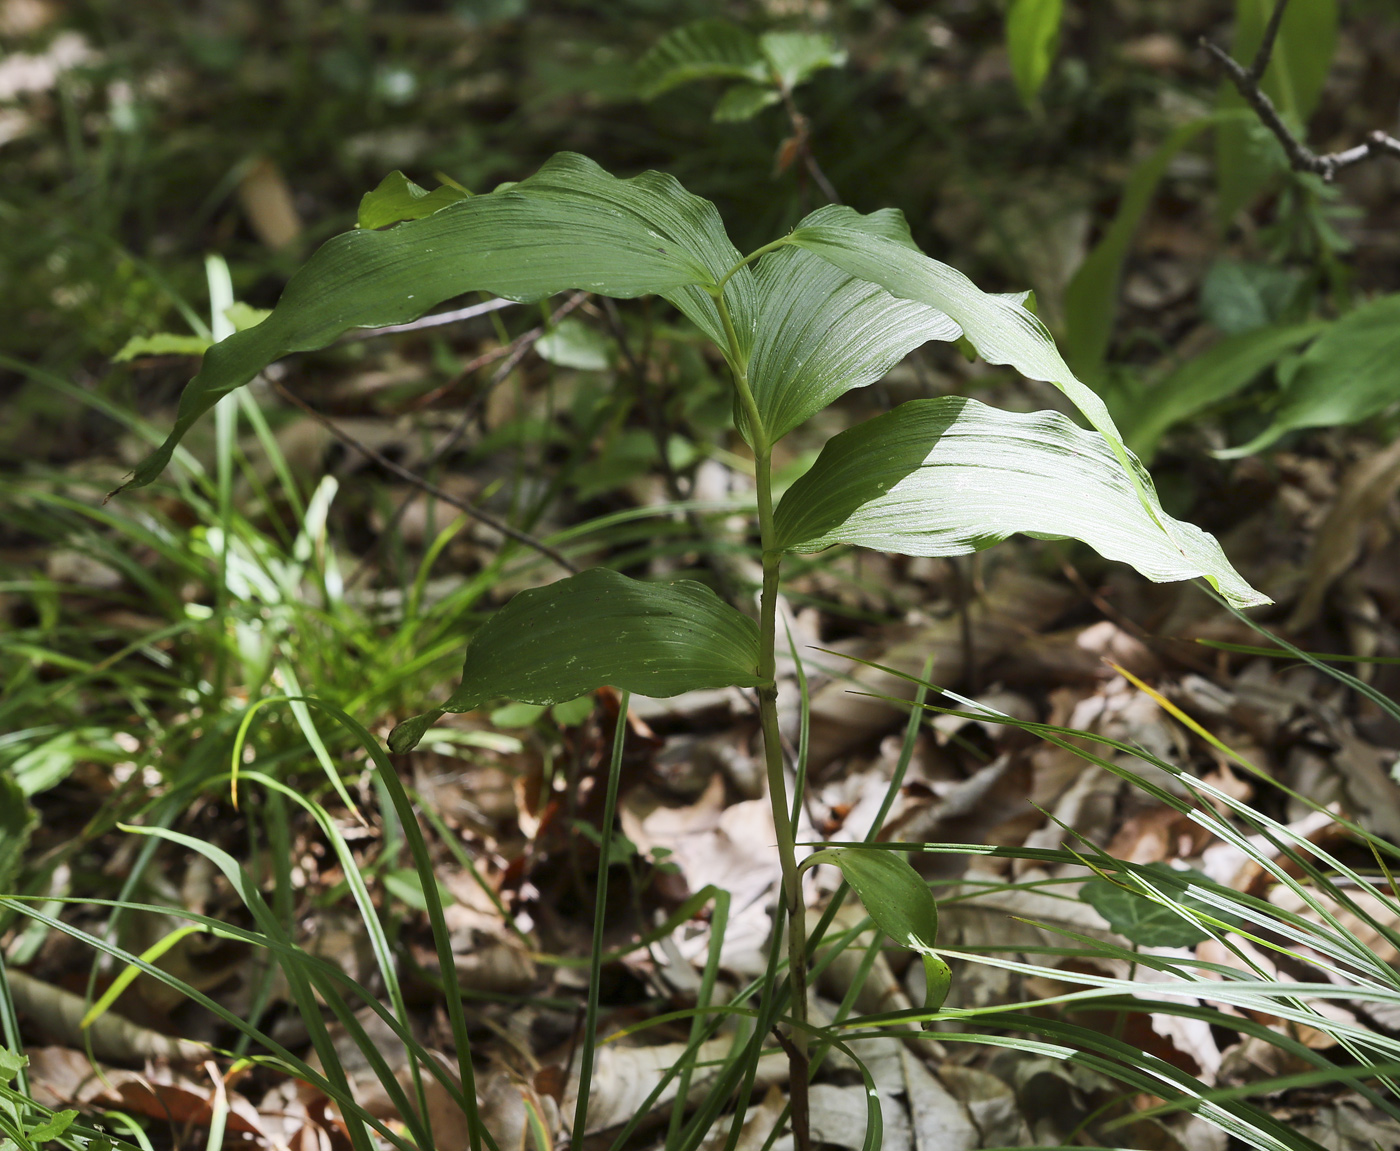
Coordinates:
1266 45
1301 158
432 489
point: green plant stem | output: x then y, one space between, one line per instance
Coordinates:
595 969
783 826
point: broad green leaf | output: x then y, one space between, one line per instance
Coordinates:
950 476
705 50
398 198
11 1064
744 102
1091 299
17 820
1246 152
899 902
573 344
1032 35
1001 329
53 1127
822 332
1152 922
517 715
161 344
572 712
555 643
571 225
797 56
1215 375
1350 373
1004 332
1239 297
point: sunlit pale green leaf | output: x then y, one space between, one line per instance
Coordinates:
744 102
161 344
1150 922
1002 330
797 56
949 476
705 50
398 198
1237 296
1032 35
571 225
822 331
553 644
1349 373
1207 379
900 903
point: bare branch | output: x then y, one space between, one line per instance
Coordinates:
801 143
432 489
1266 45
514 352
1301 158
437 320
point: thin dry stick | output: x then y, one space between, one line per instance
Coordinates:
801 144
432 489
1300 157
660 431
515 351
437 320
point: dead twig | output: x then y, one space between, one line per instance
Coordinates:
799 145
515 351
1301 158
432 489
437 320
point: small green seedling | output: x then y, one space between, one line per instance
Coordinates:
829 307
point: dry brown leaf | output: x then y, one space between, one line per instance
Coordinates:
267 202
1365 489
56 1013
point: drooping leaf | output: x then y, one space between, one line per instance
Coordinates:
822 332
571 225
705 50
1215 375
1032 35
555 643
1349 373
1001 329
797 56
1152 922
950 476
1004 332
161 344
17 820
1091 299
398 198
900 903
1246 152
744 102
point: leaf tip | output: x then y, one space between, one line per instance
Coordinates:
406 735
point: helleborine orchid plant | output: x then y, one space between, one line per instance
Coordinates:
829 307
